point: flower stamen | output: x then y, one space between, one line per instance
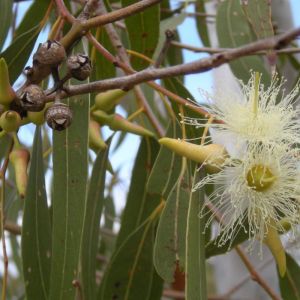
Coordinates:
260 178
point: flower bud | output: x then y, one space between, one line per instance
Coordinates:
96 142
117 122
79 66
10 121
213 155
7 94
50 53
107 100
272 240
33 98
58 116
19 159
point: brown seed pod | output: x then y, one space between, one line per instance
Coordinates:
79 66
50 53
32 98
59 116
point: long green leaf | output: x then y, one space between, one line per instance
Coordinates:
70 165
36 230
139 202
233 31
6 14
94 207
290 283
195 273
143 32
135 234
5 143
170 237
201 23
259 15
166 167
129 274
17 54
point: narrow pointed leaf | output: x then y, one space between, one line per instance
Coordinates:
94 207
139 202
36 230
195 273
143 40
201 23
6 9
129 273
170 236
17 54
290 283
70 165
166 167
233 31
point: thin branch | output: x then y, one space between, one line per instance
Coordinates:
169 37
64 12
219 50
118 45
198 66
119 14
12 228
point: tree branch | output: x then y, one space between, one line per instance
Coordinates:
198 66
119 14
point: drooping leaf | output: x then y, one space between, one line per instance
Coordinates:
202 23
166 167
290 283
6 15
259 16
70 166
143 32
93 212
195 273
33 16
139 202
129 273
17 54
233 31
167 24
134 236
170 241
5 143
36 229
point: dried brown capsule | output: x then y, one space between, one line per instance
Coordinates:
50 53
79 66
59 116
33 98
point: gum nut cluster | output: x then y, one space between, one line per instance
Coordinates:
30 101
257 191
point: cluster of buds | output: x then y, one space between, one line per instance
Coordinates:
102 115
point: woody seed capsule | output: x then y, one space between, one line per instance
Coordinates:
33 98
50 53
58 116
79 66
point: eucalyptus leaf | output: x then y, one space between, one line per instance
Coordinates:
36 229
93 212
70 169
6 16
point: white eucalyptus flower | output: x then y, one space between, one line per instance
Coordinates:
254 114
262 189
